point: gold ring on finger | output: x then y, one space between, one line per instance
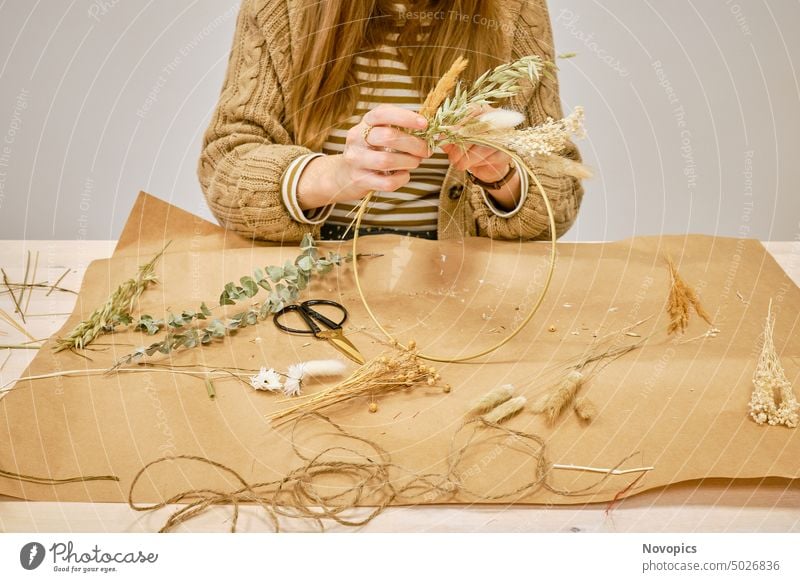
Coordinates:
365 134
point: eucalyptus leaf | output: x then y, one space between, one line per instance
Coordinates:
302 280
225 300
307 243
305 264
249 285
216 328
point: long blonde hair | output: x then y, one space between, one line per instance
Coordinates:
333 32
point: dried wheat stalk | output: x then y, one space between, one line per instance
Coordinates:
391 372
682 298
443 88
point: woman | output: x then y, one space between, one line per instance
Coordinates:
314 109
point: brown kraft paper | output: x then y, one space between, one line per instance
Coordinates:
681 405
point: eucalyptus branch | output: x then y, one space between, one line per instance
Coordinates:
283 285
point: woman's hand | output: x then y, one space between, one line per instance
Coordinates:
485 163
382 162
489 165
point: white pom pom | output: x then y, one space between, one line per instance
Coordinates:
502 118
323 368
311 369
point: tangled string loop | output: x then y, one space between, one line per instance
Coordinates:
368 478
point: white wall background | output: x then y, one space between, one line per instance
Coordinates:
693 112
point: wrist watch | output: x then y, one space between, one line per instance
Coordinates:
494 185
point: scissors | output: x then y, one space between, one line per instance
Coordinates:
333 334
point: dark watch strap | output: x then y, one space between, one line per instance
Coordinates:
494 185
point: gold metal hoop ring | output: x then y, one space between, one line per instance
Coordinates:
537 304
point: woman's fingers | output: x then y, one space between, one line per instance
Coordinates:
393 115
378 156
484 162
382 124
380 161
368 180
383 136
476 155
462 158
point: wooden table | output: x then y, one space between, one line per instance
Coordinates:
770 505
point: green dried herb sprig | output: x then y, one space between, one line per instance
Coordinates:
115 311
491 87
283 284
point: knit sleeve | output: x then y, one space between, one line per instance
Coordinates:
534 36
246 149
523 185
291 177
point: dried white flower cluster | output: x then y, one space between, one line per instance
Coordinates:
272 381
269 380
546 139
772 401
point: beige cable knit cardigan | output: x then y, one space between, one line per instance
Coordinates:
247 146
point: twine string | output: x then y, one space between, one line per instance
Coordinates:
371 480
50 481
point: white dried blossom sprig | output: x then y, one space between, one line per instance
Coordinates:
549 138
267 379
272 381
772 402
